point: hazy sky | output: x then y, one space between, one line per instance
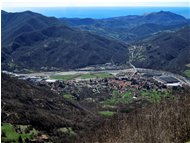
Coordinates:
94 3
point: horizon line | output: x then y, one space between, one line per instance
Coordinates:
132 4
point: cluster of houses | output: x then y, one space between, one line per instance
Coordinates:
121 82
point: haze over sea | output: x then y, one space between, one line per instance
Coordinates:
101 12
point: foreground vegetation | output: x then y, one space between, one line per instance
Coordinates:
165 122
9 133
60 118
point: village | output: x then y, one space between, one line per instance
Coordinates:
106 83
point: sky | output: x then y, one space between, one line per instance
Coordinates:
97 8
93 3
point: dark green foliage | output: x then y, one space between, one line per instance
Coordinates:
51 44
167 51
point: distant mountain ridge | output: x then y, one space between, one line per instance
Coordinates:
34 41
167 51
122 27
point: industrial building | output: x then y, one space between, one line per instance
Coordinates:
168 80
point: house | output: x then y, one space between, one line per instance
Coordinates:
50 80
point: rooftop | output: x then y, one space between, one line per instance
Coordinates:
168 79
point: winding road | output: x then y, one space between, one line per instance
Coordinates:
130 60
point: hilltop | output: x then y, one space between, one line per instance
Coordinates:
129 28
166 50
36 42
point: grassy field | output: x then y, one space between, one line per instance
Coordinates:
95 75
64 77
155 96
10 135
118 98
187 73
125 98
68 96
106 113
82 76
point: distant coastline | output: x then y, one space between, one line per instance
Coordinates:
100 12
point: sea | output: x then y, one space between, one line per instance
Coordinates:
101 12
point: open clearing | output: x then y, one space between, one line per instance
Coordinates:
10 134
187 73
106 113
82 76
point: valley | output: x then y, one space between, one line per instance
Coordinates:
56 44
120 79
